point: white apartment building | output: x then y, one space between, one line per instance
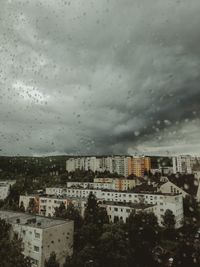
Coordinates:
121 211
117 184
170 187
83 163
183 164
109 186
120 184
172 201
5 188
4 191
48 204
41 236
114 164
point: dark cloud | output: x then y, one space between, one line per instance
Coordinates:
99 77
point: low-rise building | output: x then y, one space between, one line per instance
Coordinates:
48 204
119 184
5 188
172 201
41 236
169 187
121 211
95 185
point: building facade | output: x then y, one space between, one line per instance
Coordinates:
183 164
172 201
122 165
41 236
5 188
140 165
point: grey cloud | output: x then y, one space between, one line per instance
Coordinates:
99 77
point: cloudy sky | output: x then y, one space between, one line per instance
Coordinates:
101 76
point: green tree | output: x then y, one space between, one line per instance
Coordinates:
113 247
32 207
169 220
21 207
71 213
11 250
144 235
52 261
60 212
191 209
93 213
187 254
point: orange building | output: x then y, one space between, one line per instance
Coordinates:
139 165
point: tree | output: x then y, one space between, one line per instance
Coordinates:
144 235
102 216
113 247
88 235
190 207
187 254
93 213
60 211
11 250
71 213
169 220
32 206
52 262
21 207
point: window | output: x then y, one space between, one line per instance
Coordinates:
37 235
36 249
115 209
34 261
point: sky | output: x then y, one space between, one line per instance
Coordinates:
99 77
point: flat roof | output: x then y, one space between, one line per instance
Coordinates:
63 197
30 220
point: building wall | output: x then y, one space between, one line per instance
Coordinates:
183 164
139 165
58 239
31 238
163 201
115 164
5 188
169 187
119 212
4 191
41 236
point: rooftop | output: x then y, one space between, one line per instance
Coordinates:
136 190
34 221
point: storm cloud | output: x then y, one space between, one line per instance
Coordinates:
99 77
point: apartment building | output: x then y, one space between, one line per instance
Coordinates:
5 188
172 201
83 163
169 187
139 165
118 184
113 164
48 204
183 164
109 186
121 211
41 236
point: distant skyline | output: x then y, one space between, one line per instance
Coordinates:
99 77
